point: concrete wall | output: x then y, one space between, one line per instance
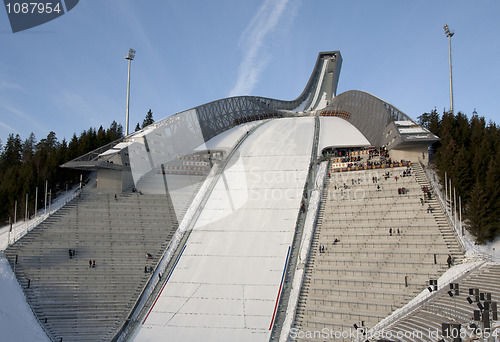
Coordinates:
109 180
411 152
114 181
127 180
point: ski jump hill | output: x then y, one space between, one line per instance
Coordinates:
251 219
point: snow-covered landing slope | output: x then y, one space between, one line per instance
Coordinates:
225 285
17 322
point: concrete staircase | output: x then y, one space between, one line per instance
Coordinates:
369 273
76 302
445 309
441 220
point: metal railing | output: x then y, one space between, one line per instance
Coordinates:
465 243
165 261
299 228
22 229
417 302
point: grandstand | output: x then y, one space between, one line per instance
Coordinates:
453 309
251 219
76 301
374 248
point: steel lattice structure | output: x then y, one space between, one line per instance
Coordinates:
376 119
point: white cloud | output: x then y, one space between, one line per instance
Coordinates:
9 85
29 120
4 125
251 42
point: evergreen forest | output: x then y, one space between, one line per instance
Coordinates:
28 164
469 153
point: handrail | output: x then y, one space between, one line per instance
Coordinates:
297 238
413 305
21 230
130 323
465 243
443 206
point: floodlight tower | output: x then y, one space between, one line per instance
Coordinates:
130 57
450 34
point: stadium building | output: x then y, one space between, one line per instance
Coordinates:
255 219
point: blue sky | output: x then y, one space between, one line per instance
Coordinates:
70 74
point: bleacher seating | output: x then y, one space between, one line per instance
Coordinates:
76 302
417 325
389 247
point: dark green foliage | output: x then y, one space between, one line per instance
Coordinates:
468 152
24 166
148 120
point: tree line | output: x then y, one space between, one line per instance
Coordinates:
469 153
28 164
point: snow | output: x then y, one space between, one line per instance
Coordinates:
225 285
412 130
302 106
17 322
115 149
489 251
226 140
491 248
319 86
305 246
405 123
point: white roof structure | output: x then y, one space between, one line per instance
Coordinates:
338 132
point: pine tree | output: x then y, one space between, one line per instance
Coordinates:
114 132
481 153
12 153
29 148
461 172
424 120
476 213
492 194
434 122
148 120
137 127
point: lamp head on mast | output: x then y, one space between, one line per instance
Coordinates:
447 31
131 55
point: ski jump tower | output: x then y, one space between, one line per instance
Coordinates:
123 163
237 173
